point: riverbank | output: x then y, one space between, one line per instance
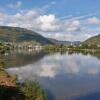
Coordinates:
5 79
8 87
10 90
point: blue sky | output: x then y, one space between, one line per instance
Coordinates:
58 7
59 19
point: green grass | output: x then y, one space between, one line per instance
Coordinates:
33 91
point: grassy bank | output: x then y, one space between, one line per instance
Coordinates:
10 90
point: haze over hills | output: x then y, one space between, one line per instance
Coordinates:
93 40
59 42
16 34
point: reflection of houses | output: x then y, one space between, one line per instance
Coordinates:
6 43
24 45
35 47
98 45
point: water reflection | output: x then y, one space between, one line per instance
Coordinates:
66 76
53 65
19 58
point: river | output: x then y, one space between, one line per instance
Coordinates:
65 76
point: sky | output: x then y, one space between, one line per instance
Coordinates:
66 20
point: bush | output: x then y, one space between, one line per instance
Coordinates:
14 79
33 91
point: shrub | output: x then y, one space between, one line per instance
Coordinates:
33 91
14 79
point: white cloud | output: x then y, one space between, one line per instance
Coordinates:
93 20
60 36
74 26
48 23
50 26
32 20
2 16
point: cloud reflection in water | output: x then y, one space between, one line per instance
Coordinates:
53 65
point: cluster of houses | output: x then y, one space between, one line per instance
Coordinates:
28 45
25 45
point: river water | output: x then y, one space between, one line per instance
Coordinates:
65 76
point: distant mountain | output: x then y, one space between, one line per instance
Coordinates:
16 34
93 40
64 42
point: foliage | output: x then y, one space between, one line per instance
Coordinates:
95 40
33 91
4 47
10 90
14 79
55 48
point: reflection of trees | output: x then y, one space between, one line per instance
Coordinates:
25 57
21 59
97 55
1 62
78 51
84 52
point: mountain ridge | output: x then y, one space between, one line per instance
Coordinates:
59 42
16 34
95 40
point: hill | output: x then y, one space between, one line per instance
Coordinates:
93 40
16 34
64 42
